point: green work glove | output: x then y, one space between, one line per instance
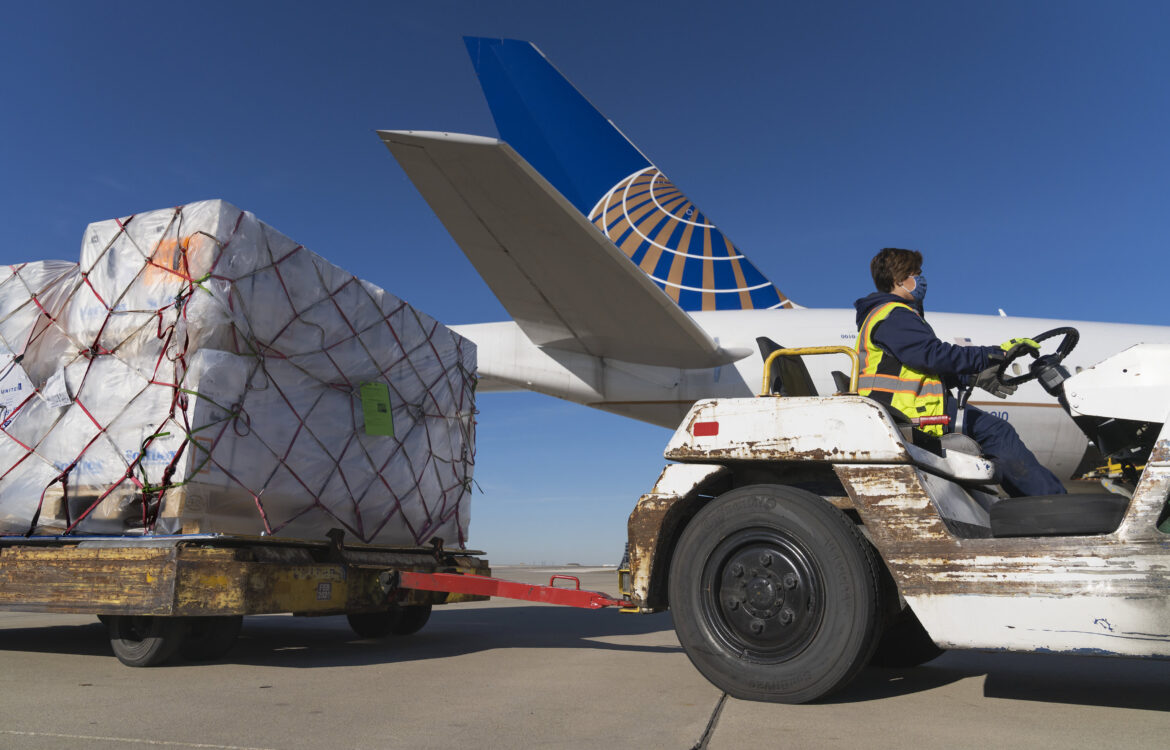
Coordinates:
1010 344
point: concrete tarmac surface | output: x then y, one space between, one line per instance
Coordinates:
504 674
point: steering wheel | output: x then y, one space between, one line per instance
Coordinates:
1071 337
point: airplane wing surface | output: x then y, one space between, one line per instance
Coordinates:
564 283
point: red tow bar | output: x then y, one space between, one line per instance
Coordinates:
455 583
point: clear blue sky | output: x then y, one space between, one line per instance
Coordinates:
1023 146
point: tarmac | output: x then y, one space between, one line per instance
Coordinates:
504 674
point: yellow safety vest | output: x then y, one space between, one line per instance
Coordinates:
883 378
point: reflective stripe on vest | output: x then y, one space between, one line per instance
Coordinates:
885 379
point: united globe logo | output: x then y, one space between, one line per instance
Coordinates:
670 239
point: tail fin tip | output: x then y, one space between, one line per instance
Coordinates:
564 137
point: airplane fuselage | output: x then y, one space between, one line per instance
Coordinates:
508 360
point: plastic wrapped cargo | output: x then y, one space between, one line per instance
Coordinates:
198 371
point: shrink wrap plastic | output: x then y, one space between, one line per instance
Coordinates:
200 372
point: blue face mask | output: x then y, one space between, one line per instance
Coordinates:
919 292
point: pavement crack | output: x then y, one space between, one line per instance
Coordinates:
711 723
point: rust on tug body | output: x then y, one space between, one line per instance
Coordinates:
950 561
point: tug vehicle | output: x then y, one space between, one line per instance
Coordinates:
798 538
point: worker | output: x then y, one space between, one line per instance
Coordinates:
905 366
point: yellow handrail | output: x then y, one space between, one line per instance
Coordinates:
766 390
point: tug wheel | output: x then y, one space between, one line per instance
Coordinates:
775 595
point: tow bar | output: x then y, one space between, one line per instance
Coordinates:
455 583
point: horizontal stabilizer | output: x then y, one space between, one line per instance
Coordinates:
564 283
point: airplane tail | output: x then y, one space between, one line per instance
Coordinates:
549 123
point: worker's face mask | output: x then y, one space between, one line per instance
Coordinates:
919 290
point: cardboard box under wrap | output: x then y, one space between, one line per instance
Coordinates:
199 371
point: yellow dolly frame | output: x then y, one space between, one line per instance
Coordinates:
159 595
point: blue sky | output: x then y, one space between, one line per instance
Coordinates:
1021 146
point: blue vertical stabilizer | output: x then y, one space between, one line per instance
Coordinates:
541 115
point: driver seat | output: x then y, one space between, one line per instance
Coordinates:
950 442
1058 515
790 376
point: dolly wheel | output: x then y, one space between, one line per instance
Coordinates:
775 595
412 619
210 637
374 624
145 641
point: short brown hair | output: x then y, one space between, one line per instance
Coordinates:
893 264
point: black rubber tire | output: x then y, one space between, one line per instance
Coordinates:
812 608
210 637
374 624
905 643
145 641
412 619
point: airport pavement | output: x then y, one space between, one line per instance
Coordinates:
503 674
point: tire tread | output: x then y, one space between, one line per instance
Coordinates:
803 677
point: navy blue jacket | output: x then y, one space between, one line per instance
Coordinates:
912 342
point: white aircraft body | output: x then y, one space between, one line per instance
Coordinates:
509 361
624 297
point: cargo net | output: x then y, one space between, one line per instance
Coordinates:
199 372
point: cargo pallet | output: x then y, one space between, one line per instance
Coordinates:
188 594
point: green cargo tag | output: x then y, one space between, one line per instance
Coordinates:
376 409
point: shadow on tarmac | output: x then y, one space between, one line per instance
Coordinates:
311 642
877 683
1098 681
1049 678
315 642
